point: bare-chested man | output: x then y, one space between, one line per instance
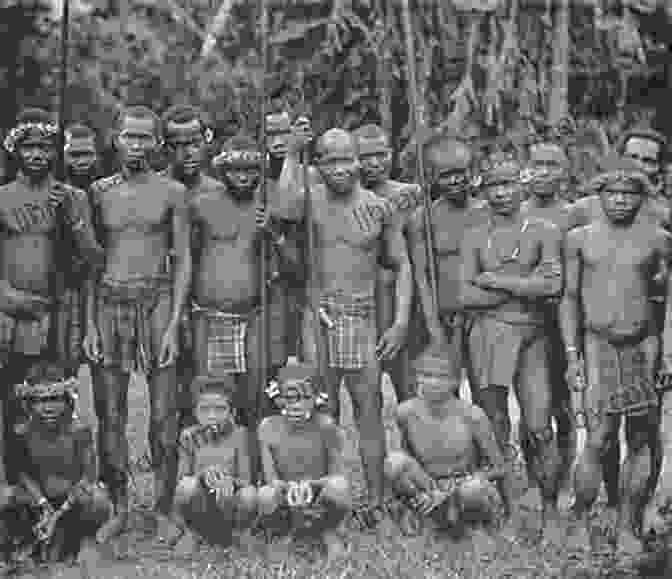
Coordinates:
648 149
547 177
449 162
187 136
607 315
352 239
135 310
226 287
375 157
509 267
40 219
449 452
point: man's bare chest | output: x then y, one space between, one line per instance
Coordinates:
222 454
36 216
358 226
450 227
129 206
225 222
510 250
604 252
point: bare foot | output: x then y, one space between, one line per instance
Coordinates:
485 546
566 500
553 531
89 559
610 518
166 530
335 546
187 546
627 545
410 523
114 527
578 541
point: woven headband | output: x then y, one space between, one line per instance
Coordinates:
237 159
59 389
277 391
22 130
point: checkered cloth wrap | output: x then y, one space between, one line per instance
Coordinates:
70 326
352 340
226 339
22 336
125 321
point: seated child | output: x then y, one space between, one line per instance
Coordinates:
214 494
445 440
306 487
55 464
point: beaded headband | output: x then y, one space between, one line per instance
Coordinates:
59 389
278 391
237 159
22 130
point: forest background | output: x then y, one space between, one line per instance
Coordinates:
489 68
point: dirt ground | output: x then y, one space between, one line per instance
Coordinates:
137 555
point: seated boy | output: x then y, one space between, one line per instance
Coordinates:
445 440
55 463
214 494
307 489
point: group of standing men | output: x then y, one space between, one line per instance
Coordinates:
158 273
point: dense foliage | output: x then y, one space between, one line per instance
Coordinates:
510 69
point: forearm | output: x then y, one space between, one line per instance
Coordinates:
666 434
15 302
185 466
290 182
90 310
536 285
473 297
404 294
666 346
31 487
181 285
429 310
569 322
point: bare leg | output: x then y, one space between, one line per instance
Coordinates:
111 404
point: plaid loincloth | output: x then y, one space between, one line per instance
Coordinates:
70 326
226 340
125 322
495 348
23 337
624 370
352 341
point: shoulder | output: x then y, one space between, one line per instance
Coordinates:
474 236
270 427
10 187
239 436
368 197
65 190
472 412
81 432
210 184
575 237
101 186
175 190
407 409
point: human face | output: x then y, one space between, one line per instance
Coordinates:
452 185
50 411
299 404
338 166
36 154
375 159
277 139
645 152
81 156
435 389
242 181
548 166
185 143
504 198
213 409
621 202
136 142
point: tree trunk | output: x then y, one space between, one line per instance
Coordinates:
558 106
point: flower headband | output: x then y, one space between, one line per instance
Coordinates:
237 159
22 130
276 391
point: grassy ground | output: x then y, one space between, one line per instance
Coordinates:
393 556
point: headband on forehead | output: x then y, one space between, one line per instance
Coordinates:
295 379
237 159
504 172
278 123
23 130
59 389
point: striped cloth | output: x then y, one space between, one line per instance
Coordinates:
70 327
226 341
125 322
352 341
22 336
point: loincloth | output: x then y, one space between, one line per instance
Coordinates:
351 343
19 336
623 374
230 336
125 322
496 348
70 326
226 339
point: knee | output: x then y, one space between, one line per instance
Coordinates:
267 500
97 506
337 491
187 489
476 494
396 464
248 498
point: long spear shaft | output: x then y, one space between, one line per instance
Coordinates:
263 192
65 32
418 125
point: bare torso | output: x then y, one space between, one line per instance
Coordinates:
227 276
349 252
618 266
136 217
557 211
28 235
223 453
442 445
450 223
